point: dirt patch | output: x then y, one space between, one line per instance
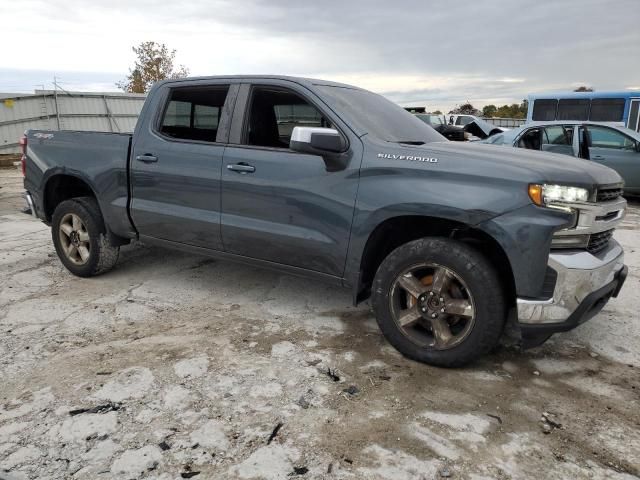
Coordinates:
174 366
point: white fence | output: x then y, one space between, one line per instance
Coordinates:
62 110
506 122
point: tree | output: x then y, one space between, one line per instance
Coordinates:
514 110
489 111
154 63
437 112
583 88
465 109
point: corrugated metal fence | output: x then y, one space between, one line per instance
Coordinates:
62 110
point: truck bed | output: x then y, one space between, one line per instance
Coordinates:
98 158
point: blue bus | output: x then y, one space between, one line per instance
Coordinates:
622 108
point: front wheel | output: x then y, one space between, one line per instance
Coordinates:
80 238
439 301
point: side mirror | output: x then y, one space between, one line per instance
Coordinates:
317 140
326 142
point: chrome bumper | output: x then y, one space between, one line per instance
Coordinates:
579 275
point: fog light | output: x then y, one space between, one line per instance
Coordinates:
570 241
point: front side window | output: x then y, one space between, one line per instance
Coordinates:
530 139
275 112
603 137
193 113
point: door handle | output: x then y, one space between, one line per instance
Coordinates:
597 157
241 168
147 158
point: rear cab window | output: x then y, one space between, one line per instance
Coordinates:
193 113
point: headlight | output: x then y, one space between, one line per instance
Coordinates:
546 195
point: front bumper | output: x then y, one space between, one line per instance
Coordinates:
584 284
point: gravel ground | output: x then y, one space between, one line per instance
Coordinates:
175 366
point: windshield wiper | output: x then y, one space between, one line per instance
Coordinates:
410 142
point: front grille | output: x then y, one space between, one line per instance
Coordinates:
599 241
608 194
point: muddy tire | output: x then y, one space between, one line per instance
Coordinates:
80 238
439 301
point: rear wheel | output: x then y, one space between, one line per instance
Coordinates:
80 238
439 301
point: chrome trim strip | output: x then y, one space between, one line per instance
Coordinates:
588 212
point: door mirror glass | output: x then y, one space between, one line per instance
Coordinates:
317 140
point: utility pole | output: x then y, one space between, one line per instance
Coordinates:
55 100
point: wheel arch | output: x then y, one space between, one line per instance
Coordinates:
398 230
59 187
63 186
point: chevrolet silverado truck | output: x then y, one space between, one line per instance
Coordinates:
452 242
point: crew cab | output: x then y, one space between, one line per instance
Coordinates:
451 241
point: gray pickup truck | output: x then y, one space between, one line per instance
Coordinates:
453 242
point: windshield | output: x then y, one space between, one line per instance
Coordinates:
433 120
378 117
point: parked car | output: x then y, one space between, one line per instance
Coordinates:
438 123
447 238
475 126
611 145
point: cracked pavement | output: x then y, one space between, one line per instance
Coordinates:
176 366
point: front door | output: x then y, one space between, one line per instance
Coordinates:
176 167
615 150
279 205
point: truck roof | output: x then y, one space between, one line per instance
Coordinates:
301 80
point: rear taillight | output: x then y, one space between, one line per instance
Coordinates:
23 160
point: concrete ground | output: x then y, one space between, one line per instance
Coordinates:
175 366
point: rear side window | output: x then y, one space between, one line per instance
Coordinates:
573 109
558 135
607 109
193 113
544 109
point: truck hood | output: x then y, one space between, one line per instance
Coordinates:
527 166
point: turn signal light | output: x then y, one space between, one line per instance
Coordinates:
535 193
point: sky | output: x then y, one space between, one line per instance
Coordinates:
421 53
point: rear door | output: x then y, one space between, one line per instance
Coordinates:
279 205
176 164
615 150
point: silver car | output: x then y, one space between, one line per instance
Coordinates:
611 145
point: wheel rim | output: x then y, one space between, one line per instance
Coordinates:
432 306
74 239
